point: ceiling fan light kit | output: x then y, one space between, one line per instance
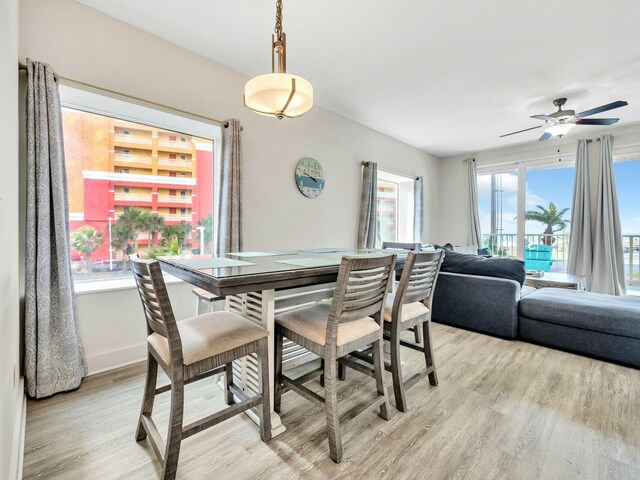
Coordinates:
278 94
561 122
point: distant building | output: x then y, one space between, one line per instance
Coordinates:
113 165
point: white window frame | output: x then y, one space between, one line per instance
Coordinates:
83 98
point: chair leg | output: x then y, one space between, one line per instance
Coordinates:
378 367
417 334
174 436
263 375
149 395
277 384
322 374
331 409
228 381
428 352
342 372
396 371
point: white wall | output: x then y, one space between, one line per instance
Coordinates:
454 211
85 45
11 393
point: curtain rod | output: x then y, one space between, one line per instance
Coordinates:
22 66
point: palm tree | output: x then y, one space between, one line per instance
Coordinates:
179 231
551 217
86 240
136 221
121 235
153 224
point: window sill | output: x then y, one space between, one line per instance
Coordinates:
99 286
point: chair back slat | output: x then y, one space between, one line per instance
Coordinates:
156 304
361 288
418 279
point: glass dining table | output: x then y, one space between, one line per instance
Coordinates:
258 285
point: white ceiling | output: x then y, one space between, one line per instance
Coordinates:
445 76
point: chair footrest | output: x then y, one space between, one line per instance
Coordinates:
220 416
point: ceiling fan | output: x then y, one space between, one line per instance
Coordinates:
560 122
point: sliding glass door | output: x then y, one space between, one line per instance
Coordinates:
627 172
549 194
498 209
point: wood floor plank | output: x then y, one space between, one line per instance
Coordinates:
503 410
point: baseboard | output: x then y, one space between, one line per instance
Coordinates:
103 362
17 455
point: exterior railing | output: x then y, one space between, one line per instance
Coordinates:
133 139
177 218
631 246
132 197
175 144
175 163
133 159
505 245
174 199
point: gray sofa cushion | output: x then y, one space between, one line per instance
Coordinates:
508 268
584 310
527 290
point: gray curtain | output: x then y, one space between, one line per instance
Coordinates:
580 247
54 357
475 235
608 256
367 217
230 201
418 210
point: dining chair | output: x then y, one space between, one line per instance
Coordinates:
191 350
352 320
410 307
415 247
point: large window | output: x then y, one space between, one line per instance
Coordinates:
627 173
134 187
394 208
498 210
525 212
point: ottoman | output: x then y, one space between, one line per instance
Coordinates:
602 326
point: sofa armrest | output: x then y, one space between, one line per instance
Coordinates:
483 304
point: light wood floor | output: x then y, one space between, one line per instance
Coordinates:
503 409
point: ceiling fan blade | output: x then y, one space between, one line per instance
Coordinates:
597 121
519 131
545 136
602 108
543 117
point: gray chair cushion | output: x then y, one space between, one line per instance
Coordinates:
311 323
207 335
584 310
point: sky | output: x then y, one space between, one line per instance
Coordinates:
556 185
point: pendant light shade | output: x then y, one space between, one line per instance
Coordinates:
278 94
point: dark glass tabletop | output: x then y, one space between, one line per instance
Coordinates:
264 269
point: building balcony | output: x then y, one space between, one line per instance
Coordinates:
166 162
129 159
137 139
132 197
174 199
173 144
176 217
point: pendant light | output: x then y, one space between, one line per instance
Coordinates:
278 94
